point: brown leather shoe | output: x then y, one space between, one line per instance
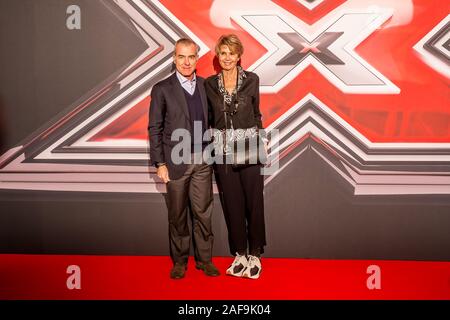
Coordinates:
178 271
208 268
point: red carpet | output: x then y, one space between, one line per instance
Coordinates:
145 277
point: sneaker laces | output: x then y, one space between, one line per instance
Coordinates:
253 261
239 260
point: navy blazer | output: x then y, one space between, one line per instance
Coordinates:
169 111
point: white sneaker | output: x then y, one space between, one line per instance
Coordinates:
253 269
238 266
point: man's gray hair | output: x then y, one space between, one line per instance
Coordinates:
186 42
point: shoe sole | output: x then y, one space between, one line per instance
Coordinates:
177 278
229 273
252 277
209 275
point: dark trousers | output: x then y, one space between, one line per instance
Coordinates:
194 190
243 207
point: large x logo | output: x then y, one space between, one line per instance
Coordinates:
302 48
290 49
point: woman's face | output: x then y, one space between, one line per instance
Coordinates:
227 59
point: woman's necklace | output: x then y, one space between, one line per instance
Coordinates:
230 82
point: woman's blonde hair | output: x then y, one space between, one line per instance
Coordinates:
232 42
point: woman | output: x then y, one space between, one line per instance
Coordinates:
233 96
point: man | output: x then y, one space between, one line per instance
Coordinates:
179 102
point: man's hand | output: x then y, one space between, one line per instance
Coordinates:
163 173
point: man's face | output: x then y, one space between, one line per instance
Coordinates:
185 59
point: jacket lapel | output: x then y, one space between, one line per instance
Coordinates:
201 89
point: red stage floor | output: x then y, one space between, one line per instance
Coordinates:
147 277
